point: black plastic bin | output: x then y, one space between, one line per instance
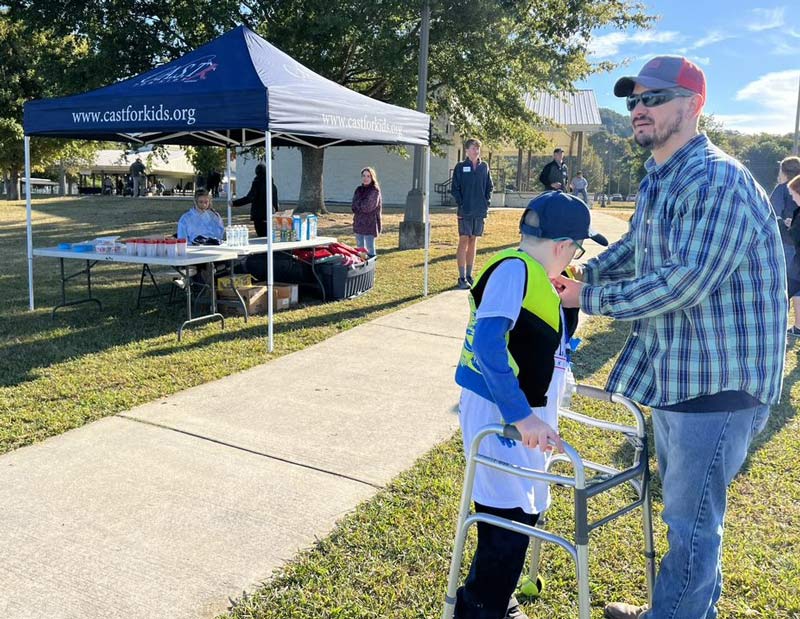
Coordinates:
286 268
346 282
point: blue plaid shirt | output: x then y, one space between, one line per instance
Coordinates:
702 276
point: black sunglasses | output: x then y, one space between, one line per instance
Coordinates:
654 98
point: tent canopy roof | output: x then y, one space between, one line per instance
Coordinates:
228 92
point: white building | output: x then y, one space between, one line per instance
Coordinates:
572 114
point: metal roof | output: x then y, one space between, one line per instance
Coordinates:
577 111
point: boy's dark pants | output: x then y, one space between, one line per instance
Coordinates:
495 568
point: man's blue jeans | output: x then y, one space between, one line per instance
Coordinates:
699 454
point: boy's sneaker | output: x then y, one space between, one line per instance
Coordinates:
514 611
470 281
463 284
794 331
621 610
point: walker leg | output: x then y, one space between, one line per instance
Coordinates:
536 551
649 552
582 569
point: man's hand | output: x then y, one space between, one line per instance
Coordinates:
536 433
787 222
577 271
569 290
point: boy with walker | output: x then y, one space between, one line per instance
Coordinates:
512 370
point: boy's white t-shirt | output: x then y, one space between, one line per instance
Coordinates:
502 297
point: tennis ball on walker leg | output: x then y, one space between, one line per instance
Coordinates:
530 588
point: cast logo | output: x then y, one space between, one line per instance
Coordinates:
192 71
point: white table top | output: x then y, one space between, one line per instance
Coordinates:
259 245
194 254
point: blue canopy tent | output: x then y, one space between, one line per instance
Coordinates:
237 90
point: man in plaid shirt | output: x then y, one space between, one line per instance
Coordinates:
701 276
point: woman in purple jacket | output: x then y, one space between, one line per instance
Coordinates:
366 206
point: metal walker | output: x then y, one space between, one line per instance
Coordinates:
637 475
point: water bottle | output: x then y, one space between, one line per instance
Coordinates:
229 235
569 388
246 232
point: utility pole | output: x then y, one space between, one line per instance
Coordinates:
795 150
412 228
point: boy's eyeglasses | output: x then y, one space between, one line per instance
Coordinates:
654 98
578 252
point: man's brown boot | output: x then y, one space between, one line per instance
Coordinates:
621 610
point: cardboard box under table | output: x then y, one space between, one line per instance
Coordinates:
255 299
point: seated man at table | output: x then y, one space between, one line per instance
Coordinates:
201 225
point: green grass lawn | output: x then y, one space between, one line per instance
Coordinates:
389 557
57 374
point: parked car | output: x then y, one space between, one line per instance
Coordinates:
631 197
616 197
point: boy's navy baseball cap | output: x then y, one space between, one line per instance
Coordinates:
561 215
665 72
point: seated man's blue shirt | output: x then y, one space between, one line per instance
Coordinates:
194 223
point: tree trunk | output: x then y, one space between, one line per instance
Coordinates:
62 179
14 193
311 193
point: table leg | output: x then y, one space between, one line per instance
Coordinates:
65 278
214 315
314 273
236 291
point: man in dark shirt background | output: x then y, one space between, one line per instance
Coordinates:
472 190
554 175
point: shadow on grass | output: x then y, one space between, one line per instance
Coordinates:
36 340
285 328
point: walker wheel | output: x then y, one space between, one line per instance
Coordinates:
530 589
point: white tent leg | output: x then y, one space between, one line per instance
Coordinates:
268 163
228 174
427 216
29 227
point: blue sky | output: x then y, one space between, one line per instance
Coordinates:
749 51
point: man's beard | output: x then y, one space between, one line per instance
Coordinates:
658 138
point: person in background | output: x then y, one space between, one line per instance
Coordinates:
554 175
793 269
212 183
701 279
784 208
472 190
201 220
579 187
108 186
366 206
120 186
257 199
137 174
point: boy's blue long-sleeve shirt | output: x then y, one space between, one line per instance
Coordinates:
490 350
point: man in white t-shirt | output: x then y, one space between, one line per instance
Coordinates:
516 314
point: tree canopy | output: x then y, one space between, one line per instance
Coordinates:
484 56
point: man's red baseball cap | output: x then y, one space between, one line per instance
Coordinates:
665 72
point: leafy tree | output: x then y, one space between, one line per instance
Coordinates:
33 64
206 159
484 56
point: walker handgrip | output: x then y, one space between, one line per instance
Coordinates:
510 431
593 392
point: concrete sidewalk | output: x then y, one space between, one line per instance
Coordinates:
169 509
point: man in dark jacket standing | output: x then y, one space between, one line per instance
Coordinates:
137 174
554 175
257 199
472 190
